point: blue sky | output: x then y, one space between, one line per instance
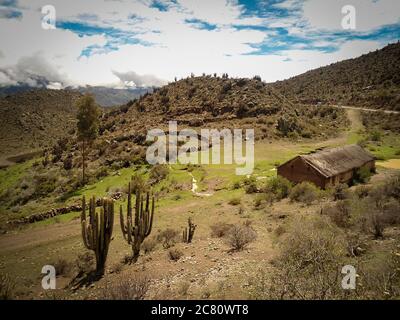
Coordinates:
126 42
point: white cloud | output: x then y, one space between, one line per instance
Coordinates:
370 14
177 48
132 79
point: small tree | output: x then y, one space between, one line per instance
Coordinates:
88 126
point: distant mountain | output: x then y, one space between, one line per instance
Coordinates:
108 97
105 96
372 80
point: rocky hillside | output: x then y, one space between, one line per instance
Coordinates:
372 80
214 102
35 119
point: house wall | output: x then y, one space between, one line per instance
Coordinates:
298 171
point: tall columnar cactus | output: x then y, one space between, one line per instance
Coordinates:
97 230
188 232
135 231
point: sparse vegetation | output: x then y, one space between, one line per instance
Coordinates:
175 254
7 287
240 236
135 288
304 192
167 237
220 229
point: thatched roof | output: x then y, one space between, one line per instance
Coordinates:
332 162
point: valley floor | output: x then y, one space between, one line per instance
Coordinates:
207 270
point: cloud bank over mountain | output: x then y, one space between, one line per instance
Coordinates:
126 43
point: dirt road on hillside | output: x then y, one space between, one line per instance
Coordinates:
367 109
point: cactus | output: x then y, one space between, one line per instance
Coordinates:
135 231
97 232
188 233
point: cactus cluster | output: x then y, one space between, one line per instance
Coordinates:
187 235
97 230
137 229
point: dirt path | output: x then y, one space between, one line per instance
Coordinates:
38 236
354 116
367 109
195 187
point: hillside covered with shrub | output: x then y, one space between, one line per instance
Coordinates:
372 80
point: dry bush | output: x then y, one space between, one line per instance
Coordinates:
220 229
7 287
148 245
380 276
392 187
85 263
128 289
339 213
312 255
239 236
183 288
138 183
62 266
362 191
280 230
250 185
235 201
377 214
340 192
304 192
168 237
157 173
175 254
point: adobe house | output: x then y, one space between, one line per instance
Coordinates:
327 167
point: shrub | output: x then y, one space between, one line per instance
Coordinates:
220 229
236 185
375 136
392 187
6 287
183 288
138 183
158 173
278 187
175 254
167 237
380 276
340 192
128 289
339 214
304 192
239 236
235 201
312 255
148 245
67 163
85 263
44 184
362 175
62 266
362 191
250 185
